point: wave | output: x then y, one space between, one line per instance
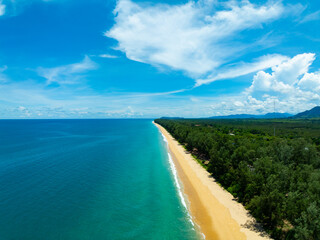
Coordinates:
178 185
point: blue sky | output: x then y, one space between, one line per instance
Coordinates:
136 58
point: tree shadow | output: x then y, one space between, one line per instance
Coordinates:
254 226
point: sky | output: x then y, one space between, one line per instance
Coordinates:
147 59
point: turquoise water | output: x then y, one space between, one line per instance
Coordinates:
87 179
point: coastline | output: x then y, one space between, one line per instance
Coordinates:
212 208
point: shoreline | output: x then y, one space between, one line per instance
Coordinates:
212 208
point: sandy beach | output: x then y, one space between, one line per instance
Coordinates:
213 209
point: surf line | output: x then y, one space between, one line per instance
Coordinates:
178 185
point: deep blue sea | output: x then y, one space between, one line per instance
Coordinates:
87 179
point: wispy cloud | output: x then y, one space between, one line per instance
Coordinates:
108 56
2 8
35 100
310 17
243 69
67 74
14 7
195 37
3 77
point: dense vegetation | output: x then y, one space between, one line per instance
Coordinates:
277 178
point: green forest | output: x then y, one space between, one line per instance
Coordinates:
271 166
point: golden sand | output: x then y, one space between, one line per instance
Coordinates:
212 208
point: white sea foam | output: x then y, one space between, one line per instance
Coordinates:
164 138
175 176
204 236
178 185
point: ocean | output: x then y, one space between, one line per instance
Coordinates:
88 179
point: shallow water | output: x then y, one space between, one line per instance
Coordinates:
87 179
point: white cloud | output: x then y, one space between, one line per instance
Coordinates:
14 7
22 108
3 77
24 112
290 85
68 74
108 56
238 104
285 76
2 8
311 17
247 104
310 81
244 69
194 37
38 101
289 71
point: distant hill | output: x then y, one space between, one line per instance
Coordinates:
277 115
244 116
312 113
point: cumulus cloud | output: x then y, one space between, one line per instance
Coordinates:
238 104
310 81
67 74
286 76
195 37
290 85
